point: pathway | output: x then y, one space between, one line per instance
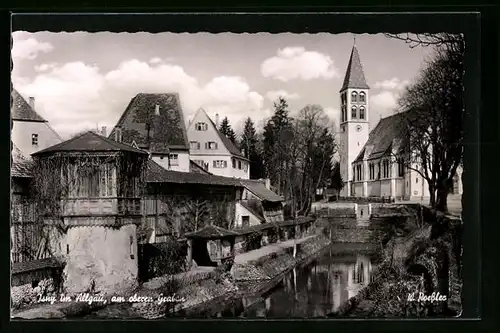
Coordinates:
244 258
454 204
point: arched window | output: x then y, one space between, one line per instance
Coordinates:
362 97
361 112
354 96
353 112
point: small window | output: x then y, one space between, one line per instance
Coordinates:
234 163
201 126
67 248
354 112
416 180
245 221
354 96
211 145
239 165
220 164
362 112
194 145
362 97
173 159
34 139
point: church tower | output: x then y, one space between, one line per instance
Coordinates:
354 107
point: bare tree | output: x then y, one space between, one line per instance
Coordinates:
434 118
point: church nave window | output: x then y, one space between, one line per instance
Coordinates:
354 96
354 112
362 112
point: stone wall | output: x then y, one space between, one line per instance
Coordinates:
29 293
101 258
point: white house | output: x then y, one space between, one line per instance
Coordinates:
155 122
213 150
367 159
30 132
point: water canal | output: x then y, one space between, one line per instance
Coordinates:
314 290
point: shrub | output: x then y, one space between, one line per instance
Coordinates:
272 235
252 241
161 259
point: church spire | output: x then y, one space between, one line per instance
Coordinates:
354 75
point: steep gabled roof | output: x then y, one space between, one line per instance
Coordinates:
21 110
225 140
167 129
354 75
89 141
260 190
157 174
257 214
382 136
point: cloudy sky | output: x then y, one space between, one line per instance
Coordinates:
83 79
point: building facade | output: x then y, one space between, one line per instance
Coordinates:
30 132
374 163
214 151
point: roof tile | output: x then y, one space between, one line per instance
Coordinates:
162 113
21 110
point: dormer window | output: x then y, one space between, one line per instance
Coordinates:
201 126
354 112
362 97
354 96
34 139
361 111
173 159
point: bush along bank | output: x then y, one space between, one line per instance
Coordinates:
420 274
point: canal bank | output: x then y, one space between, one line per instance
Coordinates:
206 290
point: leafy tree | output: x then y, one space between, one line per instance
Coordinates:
249 145
226 129
434 123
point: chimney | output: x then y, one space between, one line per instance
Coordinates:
32 103
103 131
157 109
268 183
217 120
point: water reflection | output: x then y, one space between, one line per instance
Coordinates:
317 289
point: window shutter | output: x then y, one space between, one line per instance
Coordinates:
215 164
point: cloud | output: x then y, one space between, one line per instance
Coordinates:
155 60
74 96
334 115
273 95
392 84
44 67
293 63
27 47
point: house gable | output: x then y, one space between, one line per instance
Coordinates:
155 122
211 134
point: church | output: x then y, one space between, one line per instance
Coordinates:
367 163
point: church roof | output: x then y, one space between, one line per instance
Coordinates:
90 142
21 110
354 75
163 114
382 136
